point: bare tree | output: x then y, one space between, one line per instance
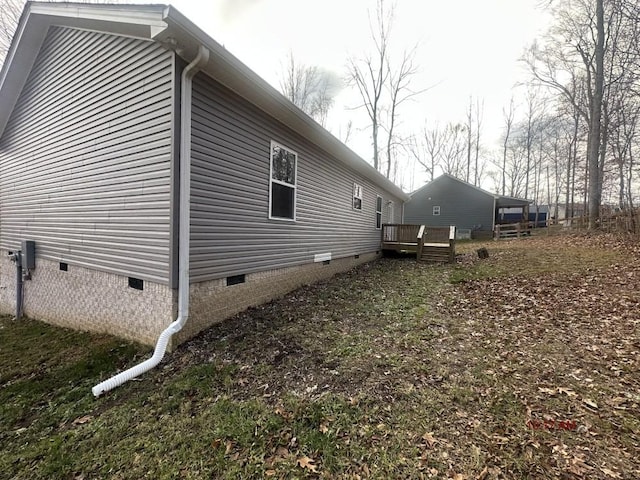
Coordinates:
515 166
593 41
10 11
469 130
369 74
399 89
453 150
478 169
382 85
427 149
473 126
508 116
345 135
311 88
624 137
593 151
533 117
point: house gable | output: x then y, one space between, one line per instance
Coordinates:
140 21
460 204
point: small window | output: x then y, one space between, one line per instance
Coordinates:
436 209
357 196
282 188
378 212
64 266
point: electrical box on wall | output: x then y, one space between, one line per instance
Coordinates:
28 254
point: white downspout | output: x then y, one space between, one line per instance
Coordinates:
185 214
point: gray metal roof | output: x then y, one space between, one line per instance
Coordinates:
501 200
165 24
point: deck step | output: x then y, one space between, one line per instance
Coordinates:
435 254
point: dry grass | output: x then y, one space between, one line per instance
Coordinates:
524 365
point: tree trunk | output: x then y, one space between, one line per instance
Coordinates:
375 145
593 152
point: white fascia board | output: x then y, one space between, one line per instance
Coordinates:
135 15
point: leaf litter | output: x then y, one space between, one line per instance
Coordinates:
522 365
545 330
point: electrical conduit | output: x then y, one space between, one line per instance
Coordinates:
185 213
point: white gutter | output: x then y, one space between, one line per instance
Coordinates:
185 213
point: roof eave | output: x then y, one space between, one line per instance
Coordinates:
164 23
228 70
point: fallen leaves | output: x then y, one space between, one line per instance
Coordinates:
443 379
428 437
307 464
565 342
610 473
82 420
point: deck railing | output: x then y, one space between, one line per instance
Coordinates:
421 239
399 233
437 234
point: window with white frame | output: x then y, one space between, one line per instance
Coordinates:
357 196
282 187
436 209
378 212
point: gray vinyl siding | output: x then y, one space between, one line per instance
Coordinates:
85 159
230 229
460 204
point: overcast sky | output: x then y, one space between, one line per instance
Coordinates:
465 47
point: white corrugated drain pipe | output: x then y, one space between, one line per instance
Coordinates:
183 262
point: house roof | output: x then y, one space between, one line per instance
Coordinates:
501 200
166 25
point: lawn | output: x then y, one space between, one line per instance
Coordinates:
523 365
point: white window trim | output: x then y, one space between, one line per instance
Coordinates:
280 182
434 210
379 212
353 196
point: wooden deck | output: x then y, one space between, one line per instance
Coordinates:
430 244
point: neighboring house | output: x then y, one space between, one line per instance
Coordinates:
108 114
447 200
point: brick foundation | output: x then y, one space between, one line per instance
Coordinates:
90 300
